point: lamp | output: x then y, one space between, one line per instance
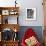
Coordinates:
15 3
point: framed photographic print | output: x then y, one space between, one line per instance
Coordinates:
30 13
5 12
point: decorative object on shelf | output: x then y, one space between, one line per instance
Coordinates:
6 21
5 12
31 14
15 30
7 34
13 12
15 34
15 37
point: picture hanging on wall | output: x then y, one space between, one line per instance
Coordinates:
30 13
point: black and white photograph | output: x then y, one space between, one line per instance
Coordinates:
31 14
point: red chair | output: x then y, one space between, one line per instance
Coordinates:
29 33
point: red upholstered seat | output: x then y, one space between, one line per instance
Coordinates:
29 33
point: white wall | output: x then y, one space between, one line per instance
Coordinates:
23 4
7 3
31 4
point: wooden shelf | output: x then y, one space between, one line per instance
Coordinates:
9 8
11 26
11 41
4 13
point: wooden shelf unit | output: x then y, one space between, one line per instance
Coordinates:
14 12
9 43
